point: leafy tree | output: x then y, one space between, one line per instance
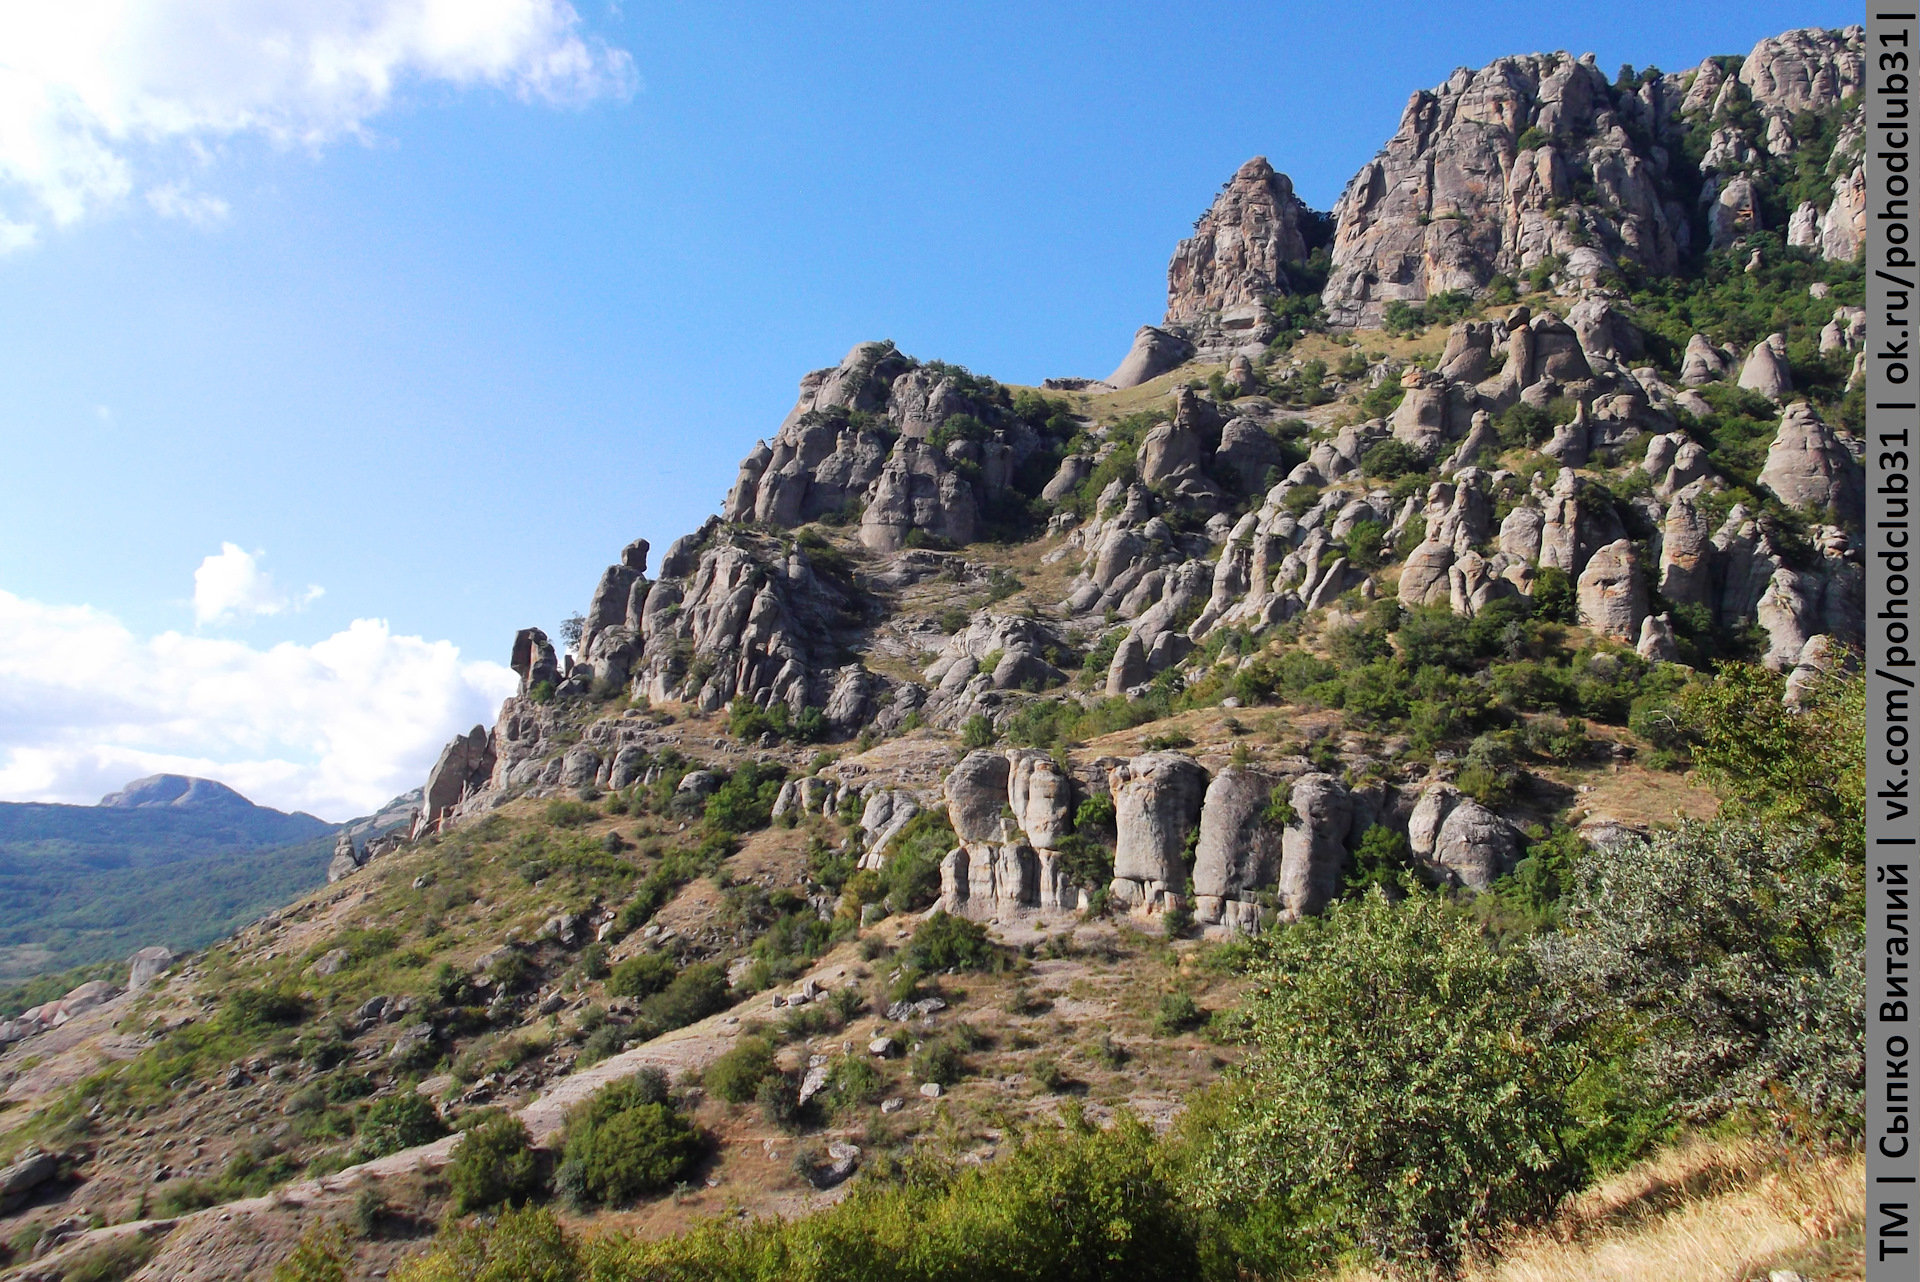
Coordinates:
1407 1087
321 1256
1735 953
525 1245
625 1142
736 1075
400 1121
1806 769
642 975
946 942
494 1162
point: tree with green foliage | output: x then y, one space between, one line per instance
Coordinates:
624 1142
494 1163
523 1245
1806 769
1731 955
399 1121
1407 1090
945 942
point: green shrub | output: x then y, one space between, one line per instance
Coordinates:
402 1120
494 1163
642 975
853 1081
736 1076
1178 1013
570 814
321 1255
1407 1082
697 992
945 942
118 1260
623 1143
1077 1203
1391 458
938 1060
977 732
1554 595
526 1245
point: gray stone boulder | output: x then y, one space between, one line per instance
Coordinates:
20 1181
976 796
1314 845
1041 795
1704 363
1157 799
464 766
345 861
1475 846
1246 454
146 966
1073 469
1808 466
1238 853
1766 369
1154 352
1613 597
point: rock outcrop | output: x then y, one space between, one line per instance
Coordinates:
1238 854
1538 161
1223 277
1809 466
1156 800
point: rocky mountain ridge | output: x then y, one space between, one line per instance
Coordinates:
1382 561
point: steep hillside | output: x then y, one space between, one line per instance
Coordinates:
998 755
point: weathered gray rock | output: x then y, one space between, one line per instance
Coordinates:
1656 640
346 860
1041 796
1246 455
464 766
1613 598
1704 363
1238 852
1808 467
1475 846
1424 580
1074 469
1156 798
146 966
976 795
1221 277
23 1179
1314 845
1448 201
1154 352
1766 370
1686 554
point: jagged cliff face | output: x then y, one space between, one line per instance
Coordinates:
1222 517
1222 277
861 441
1539 159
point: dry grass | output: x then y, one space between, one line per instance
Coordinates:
1702 1212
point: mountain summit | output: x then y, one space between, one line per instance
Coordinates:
180 792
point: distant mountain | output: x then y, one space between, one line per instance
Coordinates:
177 791
166 860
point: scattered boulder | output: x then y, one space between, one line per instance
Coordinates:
1766 369
1154 352
146 966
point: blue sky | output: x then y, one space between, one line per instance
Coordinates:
441 349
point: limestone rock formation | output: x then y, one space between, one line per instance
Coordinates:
1154 352
1238 853
1454 198
1766 369
346 860
1156 799
1809 467
148 965
1314 846
1223 276
1613 598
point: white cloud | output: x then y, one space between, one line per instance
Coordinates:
231 585
177 200
334 728
96 93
